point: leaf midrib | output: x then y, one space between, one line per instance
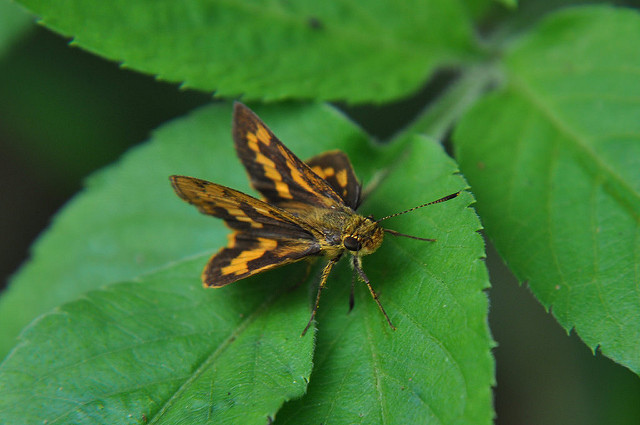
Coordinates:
370 39
209 360
375 366
578 142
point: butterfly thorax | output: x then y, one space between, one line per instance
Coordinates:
345 230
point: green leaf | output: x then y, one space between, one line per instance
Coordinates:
158 347
129 221
14 22
436 368
164 349
273 50
553 158
511 4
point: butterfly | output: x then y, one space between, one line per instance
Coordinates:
308 210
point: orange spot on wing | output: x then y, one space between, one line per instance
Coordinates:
264 161
323 172
240 215
283 190
231 239
296 174
268 166
329 171
263 135
239 265
341 176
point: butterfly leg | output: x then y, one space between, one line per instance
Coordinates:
357 265
323 281
351 298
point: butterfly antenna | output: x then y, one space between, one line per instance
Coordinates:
446 198
394 233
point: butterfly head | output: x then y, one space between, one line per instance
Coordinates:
364 237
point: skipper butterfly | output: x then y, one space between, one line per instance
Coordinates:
308 210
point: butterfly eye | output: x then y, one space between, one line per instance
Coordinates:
351 243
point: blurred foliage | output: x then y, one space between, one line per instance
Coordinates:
64 114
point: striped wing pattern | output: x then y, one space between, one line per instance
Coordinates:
265 236
274 170
335 168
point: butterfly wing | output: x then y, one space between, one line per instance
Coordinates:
248 254
274 170
265 236
336 169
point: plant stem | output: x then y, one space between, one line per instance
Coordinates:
439 117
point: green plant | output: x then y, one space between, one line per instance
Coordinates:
545 130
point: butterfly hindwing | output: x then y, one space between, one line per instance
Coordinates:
247 255
336 169
274 170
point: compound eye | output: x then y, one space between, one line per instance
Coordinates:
352 244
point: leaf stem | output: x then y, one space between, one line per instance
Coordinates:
438 117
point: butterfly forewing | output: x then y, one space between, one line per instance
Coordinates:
274 171
265 236
239 211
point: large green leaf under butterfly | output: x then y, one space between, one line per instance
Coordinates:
158 346
111 232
